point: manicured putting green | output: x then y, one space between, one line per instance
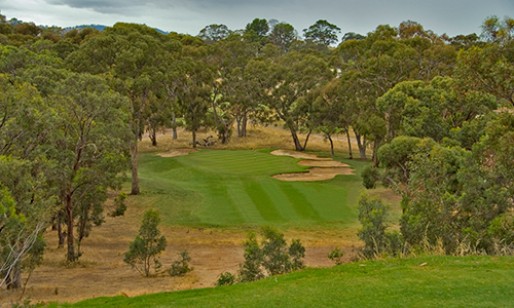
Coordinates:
236 188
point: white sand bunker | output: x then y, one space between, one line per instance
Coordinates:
176 152
299 155
323 168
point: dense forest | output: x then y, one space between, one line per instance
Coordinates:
433 113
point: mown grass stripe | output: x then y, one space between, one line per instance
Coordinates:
262 201
299 202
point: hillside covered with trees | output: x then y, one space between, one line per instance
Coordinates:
433 114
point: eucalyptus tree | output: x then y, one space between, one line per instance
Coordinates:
332 113
489 69
26 196
192 86
131 57
214 33
283 35
431 109
286 80
92 136
322 32
256 33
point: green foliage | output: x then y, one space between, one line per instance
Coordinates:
297 253
251 269
336 255
119 205
372 213
271 256
143 253
181 266
370 176
322 32
226 279
274 250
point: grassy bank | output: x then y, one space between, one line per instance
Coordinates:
417 282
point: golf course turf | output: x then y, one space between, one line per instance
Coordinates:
235 188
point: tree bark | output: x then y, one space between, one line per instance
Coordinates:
153 136
296 140
70 256
135 177
244 124
174 126
332 154
307 140
362 146
350 153
60 234
193 133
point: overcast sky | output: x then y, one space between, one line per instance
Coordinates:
190 16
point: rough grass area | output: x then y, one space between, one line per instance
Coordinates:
418 282
234 188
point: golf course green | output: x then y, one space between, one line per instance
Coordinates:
235 188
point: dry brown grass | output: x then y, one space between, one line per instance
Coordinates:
258 137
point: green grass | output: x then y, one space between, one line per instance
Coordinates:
418 282
235 188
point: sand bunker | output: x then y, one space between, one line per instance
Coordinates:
299 155
176 152
323 168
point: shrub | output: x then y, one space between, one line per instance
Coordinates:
274 257
181 267
226 279
370 176
144 250
336 255
251 268
297 253
372 213
119 205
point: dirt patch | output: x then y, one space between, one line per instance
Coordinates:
324 168
176 152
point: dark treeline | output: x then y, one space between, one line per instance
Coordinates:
430 110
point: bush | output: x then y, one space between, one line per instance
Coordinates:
336 255
297 253
370 177
181 267
226 279
372 213
119 205
274 257
251 269
144 250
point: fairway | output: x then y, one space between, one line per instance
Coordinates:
235 188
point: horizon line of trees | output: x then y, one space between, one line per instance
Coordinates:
74 105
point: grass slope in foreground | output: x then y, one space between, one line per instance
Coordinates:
418 282
235 188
